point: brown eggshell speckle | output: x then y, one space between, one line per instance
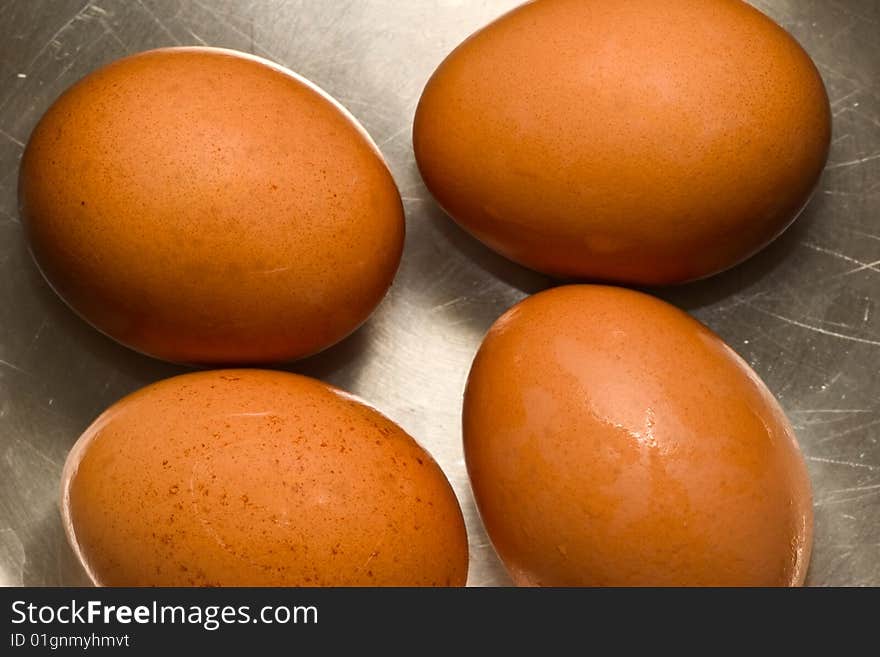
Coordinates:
611 439
258 478
640 141
202 205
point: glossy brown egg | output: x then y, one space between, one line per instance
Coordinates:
613 440
202 205
640 141
258 478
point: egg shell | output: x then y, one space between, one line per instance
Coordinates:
258 478
639 141
206 206
613 440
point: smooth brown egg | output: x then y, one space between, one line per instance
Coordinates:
258 478
641 141
206 206
613 440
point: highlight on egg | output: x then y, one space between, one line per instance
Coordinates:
640 142
257 478
613 440
202 205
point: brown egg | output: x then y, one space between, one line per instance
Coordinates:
640 141
203 205
612 440
258 478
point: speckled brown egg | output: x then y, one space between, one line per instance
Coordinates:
640 141
206 206
258 478
613 440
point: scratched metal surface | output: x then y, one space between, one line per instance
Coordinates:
805 312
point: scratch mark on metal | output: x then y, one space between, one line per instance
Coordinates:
219 17
13 552
448 304
864 234
108 29
816 329
831 323
844 98
851 464
12 366
37 335
831 410
820 420
12 218
66 68
838 74
158 21
842 256
197 37
739 300
849 431
54 38
839 192
394 136
854 489
851 498
43 456
852 163
11 138
867 265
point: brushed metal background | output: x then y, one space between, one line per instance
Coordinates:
805 312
